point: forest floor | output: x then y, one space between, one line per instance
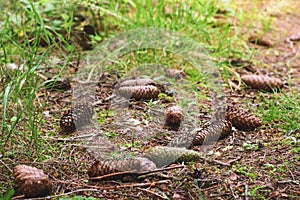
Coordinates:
264 38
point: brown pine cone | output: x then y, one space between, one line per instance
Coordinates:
31 182
162 155
146 92
104 167
174 116
262 82
216 131
79 116
136 82
67 123
242 119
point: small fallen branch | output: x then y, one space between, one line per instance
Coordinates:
132 173
58 195
114 187
228 163
289 181
153 193
136 185
114 175
6 166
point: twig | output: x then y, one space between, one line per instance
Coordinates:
228 163
291 43
139 108
233 160
221 163
81 137
18 197
49 163
219 194
114 187
289 181
181 183
161 169
75 183
65 194
153 193
265 153
99 102
137 184
111 175
291 173
78 137
210 188
294 51
11 171
41 76
234 86
233 193
246 192
71 139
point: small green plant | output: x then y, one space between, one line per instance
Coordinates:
244 170
151 103
255 190
165 97
193 75
296 150
250 146
133 144
111 134
266 24
103 115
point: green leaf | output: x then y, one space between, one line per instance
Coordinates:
9 194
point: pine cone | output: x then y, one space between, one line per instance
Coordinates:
103 167
174 116
242 119
139 92
262 82
31 182
77 117
175 73
163 156
217 130
135 82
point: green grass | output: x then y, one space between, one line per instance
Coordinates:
20 45
283 109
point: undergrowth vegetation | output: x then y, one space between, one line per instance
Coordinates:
33 33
